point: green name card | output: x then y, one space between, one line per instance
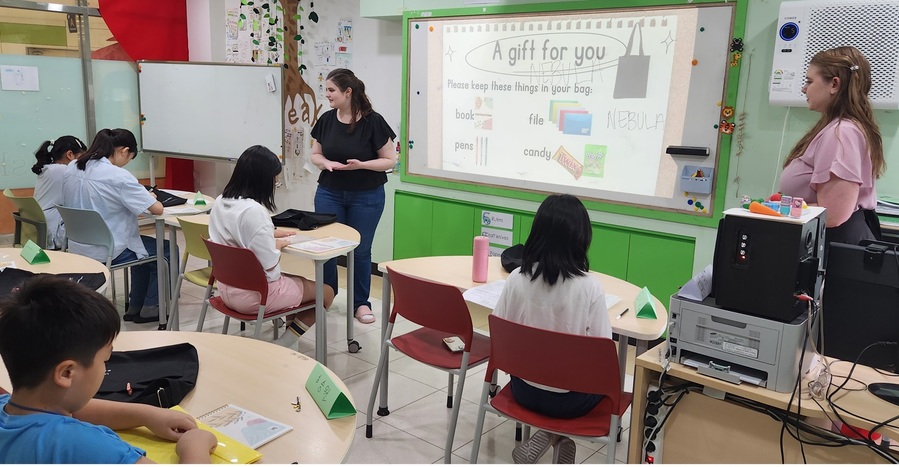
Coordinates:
34 254
330 399
645 305
199 200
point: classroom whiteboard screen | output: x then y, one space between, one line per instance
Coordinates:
582 102
210 110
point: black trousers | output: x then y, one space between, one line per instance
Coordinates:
553 404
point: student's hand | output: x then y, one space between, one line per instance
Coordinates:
195 446
284 233
353 164
282 242
170 424
331 166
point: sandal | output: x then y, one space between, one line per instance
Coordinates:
364 315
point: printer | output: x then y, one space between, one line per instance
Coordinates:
738 347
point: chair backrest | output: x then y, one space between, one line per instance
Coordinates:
237 267
194 233
430 304
27 208
567 361
88 227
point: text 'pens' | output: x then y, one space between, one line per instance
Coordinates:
622 313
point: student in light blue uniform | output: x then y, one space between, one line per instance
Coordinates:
52 159
98 181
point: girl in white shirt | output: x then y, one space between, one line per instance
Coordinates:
52 159
553 290
241 217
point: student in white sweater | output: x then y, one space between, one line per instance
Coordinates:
52 159
553 290
241 217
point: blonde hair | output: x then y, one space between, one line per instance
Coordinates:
851 101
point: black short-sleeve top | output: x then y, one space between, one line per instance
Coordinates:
372 133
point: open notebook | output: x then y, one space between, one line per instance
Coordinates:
246 426
162 451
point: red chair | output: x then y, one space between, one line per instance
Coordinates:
441 312
567 361
239 267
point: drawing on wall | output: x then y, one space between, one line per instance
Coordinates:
253 32
345 31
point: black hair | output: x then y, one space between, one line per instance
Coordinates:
559 239
50 319
359 103
254 176
52 151
105 143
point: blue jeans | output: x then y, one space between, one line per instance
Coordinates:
144 285
360 210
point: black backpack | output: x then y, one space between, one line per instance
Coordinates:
160 376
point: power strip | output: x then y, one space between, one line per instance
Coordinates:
653 435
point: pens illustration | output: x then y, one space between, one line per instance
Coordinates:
622 313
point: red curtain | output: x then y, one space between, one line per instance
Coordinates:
153 30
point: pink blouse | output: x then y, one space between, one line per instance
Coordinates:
840 149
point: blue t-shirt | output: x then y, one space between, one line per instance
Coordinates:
41 438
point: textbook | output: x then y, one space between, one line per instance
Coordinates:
246 426
162 451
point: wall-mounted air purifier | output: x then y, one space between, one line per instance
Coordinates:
807 27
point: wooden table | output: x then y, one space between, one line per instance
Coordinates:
60 263
261 377
336 230
703 429
456 271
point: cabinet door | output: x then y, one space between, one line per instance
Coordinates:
608 252
662 263
412 226
452 228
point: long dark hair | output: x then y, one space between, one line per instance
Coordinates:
52 151
105 143
254 177
851 102
559 239
359 103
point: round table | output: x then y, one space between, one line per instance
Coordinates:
60 263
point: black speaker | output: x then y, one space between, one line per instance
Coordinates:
762 262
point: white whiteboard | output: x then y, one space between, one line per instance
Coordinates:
209 109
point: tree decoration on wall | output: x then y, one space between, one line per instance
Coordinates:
263 19
301 103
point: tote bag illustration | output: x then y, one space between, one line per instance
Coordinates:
633 70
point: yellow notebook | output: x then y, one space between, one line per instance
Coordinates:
162 451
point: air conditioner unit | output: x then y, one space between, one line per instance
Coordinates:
805 28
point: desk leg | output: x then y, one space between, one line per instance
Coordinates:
161 273
622 358
635 440
351 344
174 271
385 315
321 320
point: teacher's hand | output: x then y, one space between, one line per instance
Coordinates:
353 164
331 166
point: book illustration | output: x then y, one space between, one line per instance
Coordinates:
483 113
248 427
595 160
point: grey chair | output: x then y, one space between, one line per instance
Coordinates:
88 227
28 212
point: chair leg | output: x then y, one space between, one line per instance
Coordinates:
17 234
479 424
379 372
176 294
206 298
449 391
275 324
112 286
614 424
225 324
258 332
454 418
127 288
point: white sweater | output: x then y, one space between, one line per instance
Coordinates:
247 224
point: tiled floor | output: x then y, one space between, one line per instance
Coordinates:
415 430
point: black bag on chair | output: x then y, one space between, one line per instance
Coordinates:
303 220
511 257
160 376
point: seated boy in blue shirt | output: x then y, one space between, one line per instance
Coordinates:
55 338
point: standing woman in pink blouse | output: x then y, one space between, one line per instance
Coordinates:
836 163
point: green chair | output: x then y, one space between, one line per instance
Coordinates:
29 213
193 246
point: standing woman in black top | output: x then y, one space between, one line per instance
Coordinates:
353 146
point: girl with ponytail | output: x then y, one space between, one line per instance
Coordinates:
52 158
836 163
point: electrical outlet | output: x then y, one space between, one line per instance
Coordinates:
652 433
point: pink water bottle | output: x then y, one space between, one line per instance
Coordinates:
479 259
